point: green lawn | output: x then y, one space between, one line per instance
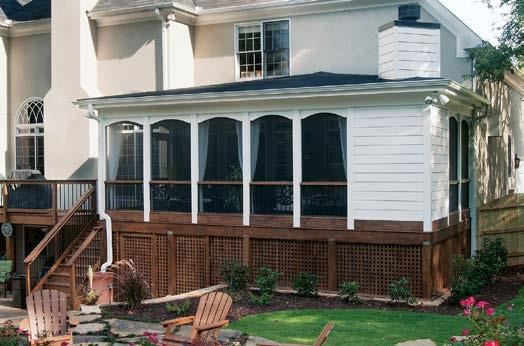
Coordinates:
352 327
515 317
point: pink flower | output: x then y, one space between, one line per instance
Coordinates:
490 311
482 304
491 343
467 312
465 332
468 302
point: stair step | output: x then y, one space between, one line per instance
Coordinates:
57 283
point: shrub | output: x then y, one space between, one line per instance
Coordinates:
235 274
130 285
262 299
178 309
348 292
306 284
267 282
11 335
491 258
400 291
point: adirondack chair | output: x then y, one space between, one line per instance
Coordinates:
322 338
48 322
209 319
6 270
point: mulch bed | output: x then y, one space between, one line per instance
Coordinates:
504 289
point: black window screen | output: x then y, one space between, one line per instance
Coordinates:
171 150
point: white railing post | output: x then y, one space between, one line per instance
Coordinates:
297 167
147 168
246 168
195 174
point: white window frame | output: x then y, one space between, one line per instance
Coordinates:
37 127
262 48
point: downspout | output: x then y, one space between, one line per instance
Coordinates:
164 20
91 114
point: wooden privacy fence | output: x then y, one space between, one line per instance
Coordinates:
504 218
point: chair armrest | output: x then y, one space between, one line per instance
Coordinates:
24 324
179 321
73 321
211 326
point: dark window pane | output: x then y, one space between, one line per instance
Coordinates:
25 152
224 140
171 150
169 197
125 196
272 200
221 199
125 152
322 148
273 161
275 50
465 150
453 148
324 200
453 197
465 196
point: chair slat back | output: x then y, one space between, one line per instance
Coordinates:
47 312
322 338
213 307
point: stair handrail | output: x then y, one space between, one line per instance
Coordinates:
83 246
37 251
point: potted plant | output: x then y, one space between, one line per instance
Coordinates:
90 297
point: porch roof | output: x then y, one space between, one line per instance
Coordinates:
314 83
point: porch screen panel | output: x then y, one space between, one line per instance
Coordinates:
171 166
324 153
124 188
220 151
464 165
272 165
453 165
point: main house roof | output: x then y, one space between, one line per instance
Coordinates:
24 10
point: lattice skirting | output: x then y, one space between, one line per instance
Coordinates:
180 263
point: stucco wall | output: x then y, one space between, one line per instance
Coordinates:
29 76
338 42
129 57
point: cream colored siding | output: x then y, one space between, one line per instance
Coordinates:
440 164
388 164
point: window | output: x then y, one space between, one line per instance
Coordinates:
453 165
324 187
171 166
220 154
263 50
272 165
30 135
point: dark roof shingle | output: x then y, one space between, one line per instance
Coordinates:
25 10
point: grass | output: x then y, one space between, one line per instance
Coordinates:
516 316
352 327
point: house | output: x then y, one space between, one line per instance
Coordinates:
346 138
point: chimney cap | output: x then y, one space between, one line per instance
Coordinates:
409 12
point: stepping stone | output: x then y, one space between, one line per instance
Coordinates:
89 328
255 340
87 318
88 339
228 334
124 328
421 342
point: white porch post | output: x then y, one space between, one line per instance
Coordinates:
429 114
146 131
195 174
459 164
350 152
246 168
297 167
102 171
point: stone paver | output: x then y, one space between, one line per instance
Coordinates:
87 318
86 328
88 339
124 328
421 342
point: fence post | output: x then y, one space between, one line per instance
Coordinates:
28 278
171 262
427 267
332 264
246 253
207 261
54 204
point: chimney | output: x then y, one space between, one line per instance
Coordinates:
409 48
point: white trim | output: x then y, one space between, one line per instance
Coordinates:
194 169
429 114
297 168
246 168
146 145
235 116
157 119
135 121
336 111
22 111
350 152
260 114
102 170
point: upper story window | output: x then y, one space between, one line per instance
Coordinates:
30 135
263 50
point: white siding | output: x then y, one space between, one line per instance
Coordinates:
409 52
440 163
387 179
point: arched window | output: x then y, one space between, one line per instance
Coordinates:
30 135
272 165
171 166
453 165
324 164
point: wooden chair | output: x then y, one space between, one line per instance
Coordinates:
209 319
322 338
6 270
48 322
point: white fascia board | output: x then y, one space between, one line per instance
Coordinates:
33 27
449 87
183 14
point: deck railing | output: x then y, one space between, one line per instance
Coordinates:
220 197
324 199
125 195
59 241
171 196
272 198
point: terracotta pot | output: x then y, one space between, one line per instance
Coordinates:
101 282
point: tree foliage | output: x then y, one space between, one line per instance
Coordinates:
492 62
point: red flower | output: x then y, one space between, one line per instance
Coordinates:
490 311
468 302
465 332
467 312
491 343
482 304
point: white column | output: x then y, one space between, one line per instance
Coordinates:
246 168
459 165
102 171
297 167
147 167
194 169
350 159
429 114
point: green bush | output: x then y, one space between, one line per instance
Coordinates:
267 282
262 299
348 292
306 284
178 309
400 291
469 276
235 274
